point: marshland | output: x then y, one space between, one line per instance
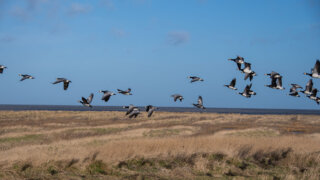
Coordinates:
108 145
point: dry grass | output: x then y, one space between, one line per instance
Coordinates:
107 145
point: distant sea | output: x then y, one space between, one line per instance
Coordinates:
162 109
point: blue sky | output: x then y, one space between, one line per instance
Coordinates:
152 46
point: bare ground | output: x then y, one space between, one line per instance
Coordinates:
108 145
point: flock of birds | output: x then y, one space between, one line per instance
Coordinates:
276 83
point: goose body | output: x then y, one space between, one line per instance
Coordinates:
309 87
65 82
313 95
87 102
135 112
150 109
130 108
248 71
25 76
293 90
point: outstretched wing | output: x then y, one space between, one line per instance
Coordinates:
89 100
316 68
246 76
309 85
23 78
239 66
59 80
274 82
200 101
280 81
233 82
65 85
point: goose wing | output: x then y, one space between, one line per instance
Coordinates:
316 68
309 85
200 101
233 82
89 100
65 85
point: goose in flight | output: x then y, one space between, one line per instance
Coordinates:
232 84
309 88
238 60
150 109
313 95
176 97
130 108
195 79
2 67
200 103
25 76
127 92
248 71
248 92
135 112
65 81
86 102
276 83
106 95
315 72
293 90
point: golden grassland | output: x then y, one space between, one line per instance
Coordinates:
108 145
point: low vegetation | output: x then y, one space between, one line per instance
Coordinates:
107 145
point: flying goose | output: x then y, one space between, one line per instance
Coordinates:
127 92
106 95
150 109
276 83
135 112
2 67
176 97
248 71
130 108
293 90
195 78
309 88
315 72
86 102
238 60
200 103
247 92
313 95
25 76
232 84
65 81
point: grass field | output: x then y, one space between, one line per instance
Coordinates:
108 145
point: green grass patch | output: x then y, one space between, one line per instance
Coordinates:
25 138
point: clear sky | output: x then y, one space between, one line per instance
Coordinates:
152 46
